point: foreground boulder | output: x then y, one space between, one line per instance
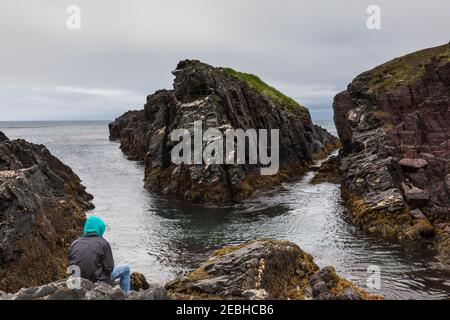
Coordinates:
223 99
264 269
41 212
86 290
394 124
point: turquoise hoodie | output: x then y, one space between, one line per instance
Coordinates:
94 225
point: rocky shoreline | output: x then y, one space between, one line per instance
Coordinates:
394 170
257 270
224 99
43 202
86 290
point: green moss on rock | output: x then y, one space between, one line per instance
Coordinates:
406 69
256 83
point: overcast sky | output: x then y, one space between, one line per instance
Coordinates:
125 50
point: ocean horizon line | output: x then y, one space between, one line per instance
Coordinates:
76 120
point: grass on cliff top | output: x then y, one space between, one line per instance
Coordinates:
407 69
256 83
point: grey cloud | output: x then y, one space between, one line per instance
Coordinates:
308 49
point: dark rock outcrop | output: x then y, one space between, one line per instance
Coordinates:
138 282
130 130
41 212
394 124
329 171
3 137
221 100
86 290
264 269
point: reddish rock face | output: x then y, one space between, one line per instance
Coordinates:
394 123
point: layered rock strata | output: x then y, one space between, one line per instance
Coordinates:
224 99
394 124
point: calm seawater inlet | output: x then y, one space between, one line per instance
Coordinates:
162 238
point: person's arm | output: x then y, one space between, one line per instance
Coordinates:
108 261
70 256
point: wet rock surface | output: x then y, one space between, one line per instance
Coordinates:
329 171
223 101
264 269
82 289
41 212
394 124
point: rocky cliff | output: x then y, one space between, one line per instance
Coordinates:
224 99
261 270
41 212
394 124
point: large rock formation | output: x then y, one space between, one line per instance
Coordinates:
223 99
41 212
394 124
264 269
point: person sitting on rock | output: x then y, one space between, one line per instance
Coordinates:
93 255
